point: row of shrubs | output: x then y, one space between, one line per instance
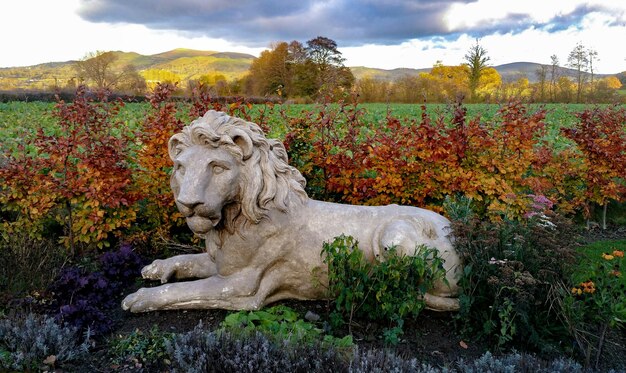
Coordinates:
70 95
56 180
35 343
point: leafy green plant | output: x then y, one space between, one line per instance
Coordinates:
280 323
592 307
458 208
389 289
506 314
141 349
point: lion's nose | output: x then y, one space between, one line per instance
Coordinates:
189 200
188 205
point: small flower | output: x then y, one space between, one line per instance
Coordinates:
576 291
496 261
607 256
588 287
616 273
618 253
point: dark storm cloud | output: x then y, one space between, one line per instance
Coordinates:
350 22
257 22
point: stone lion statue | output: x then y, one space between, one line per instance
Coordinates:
263 234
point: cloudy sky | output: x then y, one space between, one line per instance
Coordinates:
374 33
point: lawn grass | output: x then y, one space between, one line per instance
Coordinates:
591 257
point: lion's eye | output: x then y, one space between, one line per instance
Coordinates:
180 168
218 169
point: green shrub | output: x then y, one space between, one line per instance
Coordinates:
512 269
280 324
389 290
141 349
595 305
26 341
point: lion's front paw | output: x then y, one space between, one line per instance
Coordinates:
159 270
442 304
143 300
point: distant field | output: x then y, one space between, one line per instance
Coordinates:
557 113
19 119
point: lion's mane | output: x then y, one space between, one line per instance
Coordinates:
267 180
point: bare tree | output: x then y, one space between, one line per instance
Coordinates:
297 52
100 68
579 61
592 56
554 76
542 73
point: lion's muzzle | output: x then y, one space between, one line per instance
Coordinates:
200 224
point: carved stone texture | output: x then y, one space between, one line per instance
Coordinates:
263 234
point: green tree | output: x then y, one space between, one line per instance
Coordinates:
476 60
328 60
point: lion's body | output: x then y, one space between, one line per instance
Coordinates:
263 234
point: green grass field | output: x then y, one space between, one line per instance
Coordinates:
20 119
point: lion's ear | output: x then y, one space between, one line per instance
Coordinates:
243 141
174 146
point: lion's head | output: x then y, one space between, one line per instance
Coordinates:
227 173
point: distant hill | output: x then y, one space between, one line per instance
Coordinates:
508 72
386 75
186 63
191 64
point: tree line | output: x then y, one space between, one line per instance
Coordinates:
315 70
475 81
